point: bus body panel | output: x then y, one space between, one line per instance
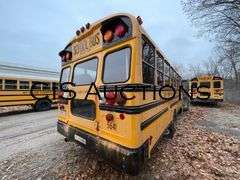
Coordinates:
134 127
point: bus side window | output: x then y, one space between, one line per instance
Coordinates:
11 84
1 84
55 85
217 84
166 73
148 65
37 85
24 85
160 69
46 86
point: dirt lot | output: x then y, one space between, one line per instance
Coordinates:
205 146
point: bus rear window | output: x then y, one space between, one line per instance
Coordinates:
65 75
205 84
85 72
117 66
217 84
194 85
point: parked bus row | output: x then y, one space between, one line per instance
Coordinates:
17 81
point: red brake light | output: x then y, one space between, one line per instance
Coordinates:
120 30
111 98
121 99
60 94
108 36
61 107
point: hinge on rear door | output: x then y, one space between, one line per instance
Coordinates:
97 126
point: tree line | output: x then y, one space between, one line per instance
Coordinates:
218 20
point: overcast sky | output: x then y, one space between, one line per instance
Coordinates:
33 32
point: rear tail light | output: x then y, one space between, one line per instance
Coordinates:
108 36
121 99
121 116
120 30
60 94
109 117
111 98
61 107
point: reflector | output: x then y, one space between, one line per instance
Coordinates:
121 116
109 117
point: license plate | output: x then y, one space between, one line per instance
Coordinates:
80 139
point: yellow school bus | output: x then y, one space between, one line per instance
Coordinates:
17 91
126 92
207 89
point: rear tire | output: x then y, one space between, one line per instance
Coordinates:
42 105
186 105
170 131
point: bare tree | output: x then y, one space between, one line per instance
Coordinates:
195 70
220 20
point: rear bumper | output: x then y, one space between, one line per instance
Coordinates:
122 158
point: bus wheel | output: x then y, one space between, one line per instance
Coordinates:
170 131
42 105
186 106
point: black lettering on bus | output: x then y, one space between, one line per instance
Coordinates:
63 88
154 92
91 93
115 93
208 94
167 98
34 85
123 96
181 88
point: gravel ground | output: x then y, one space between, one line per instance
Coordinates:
206 146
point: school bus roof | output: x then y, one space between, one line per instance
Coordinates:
206 77
12 71
137 31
